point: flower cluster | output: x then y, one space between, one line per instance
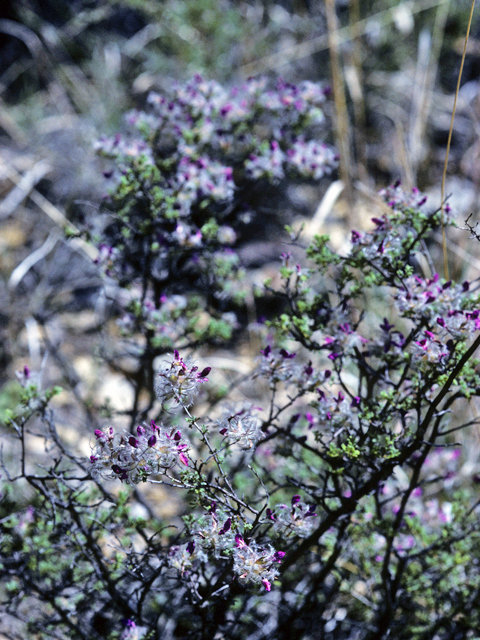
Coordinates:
429 349
183 557
381 244
311 159
298 100
267 163
178 380
295 520
211 112
341 340
202 119
202 181
409 203
252 563
134 458
256 564
214 538
277 365
447 304
242 428
391 242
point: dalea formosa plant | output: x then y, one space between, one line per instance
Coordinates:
189 183
334 508
187 180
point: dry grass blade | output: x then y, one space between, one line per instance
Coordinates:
429 53
24 267
325 207
23 188
444 176
342 129
354 80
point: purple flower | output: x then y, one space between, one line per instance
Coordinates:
386 326
266 584
226 527
129 624
152 440
333 356
308 370
356 237
239 541
123 475
380 223
183 458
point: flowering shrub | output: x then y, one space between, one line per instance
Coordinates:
334 509
182 197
